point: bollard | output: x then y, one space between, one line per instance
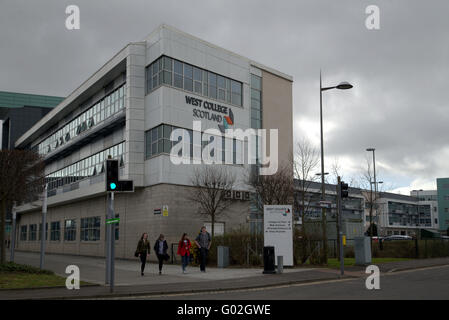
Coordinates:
280 264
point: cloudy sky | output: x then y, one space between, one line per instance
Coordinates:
399 103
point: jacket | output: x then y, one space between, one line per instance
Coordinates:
156 247
143 246
184 248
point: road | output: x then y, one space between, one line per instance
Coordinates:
420 284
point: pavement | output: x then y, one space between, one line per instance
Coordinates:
129 282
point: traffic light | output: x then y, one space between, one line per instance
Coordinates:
344 193
112 182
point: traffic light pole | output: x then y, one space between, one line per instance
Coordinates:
110 242
340 227
112 245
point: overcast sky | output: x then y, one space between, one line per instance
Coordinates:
399 103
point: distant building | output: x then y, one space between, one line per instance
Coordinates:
18 113
396 214
443 203
352 207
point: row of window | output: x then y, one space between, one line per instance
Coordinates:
185 76
106 107
157 141
86 167
256 102
89 230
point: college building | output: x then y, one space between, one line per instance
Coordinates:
127 110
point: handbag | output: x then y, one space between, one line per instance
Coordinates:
166 257
136 254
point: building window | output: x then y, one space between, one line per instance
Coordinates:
33 232
55 231
185 76
103 109
70 230
85 168
90 229
23 233
157 141
40 231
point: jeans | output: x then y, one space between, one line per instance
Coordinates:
143 259
160 257
203 258
185 261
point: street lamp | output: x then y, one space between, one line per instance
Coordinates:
342 86
375 193
417 225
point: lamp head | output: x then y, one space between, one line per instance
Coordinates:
344 85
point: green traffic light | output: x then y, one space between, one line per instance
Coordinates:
112 185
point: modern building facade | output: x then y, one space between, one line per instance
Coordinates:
396 214
128 110
443 203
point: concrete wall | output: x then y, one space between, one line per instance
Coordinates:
277 113
136 212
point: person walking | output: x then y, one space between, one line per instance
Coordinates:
143 251
160 248
203 241
184 246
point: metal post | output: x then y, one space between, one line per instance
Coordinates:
13 234
340 233
323 210
112 245
108 240
43 228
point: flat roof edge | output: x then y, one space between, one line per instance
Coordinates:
69 99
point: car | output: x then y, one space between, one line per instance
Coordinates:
376 239
397 237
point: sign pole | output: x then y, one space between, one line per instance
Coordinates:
340 227
43 228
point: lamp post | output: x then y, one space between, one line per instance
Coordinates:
341 86
417 225
375 194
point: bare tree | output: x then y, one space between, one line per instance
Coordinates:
305 163
273 189
211 187
21 179
366 183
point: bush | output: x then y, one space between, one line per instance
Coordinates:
242 245
14 267
434 248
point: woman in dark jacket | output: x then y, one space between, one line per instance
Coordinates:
160 248
184 246
143 250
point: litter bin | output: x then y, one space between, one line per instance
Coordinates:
222 256
268 260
